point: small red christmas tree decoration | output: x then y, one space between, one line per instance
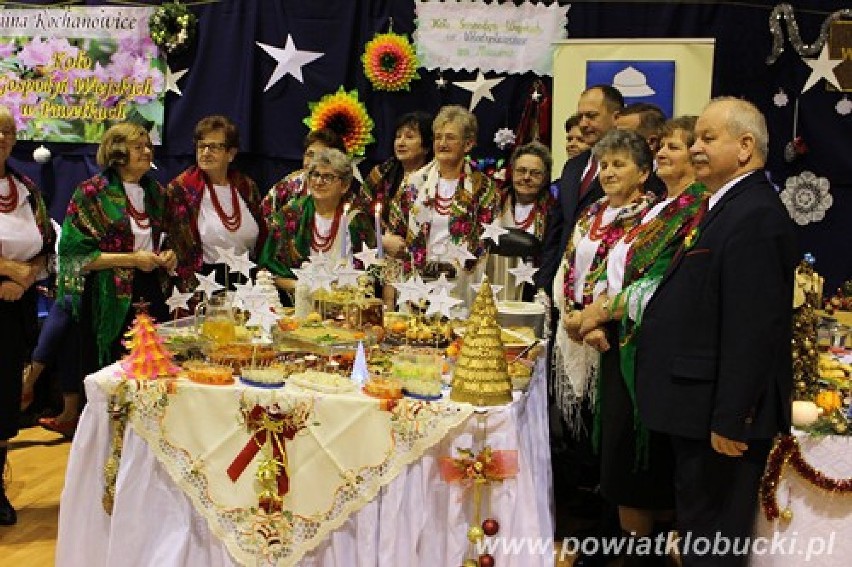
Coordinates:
147 357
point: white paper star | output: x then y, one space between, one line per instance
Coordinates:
523 272
288 60
822 68
242 264
459 252
178 300
441 284
480 88
264 317
368 256
347 276
242 293
207 284
493 230
495 289
421 288
441 303
319 260
172 78
406 291
224 255
321 278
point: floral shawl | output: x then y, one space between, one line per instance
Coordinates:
45 227
541 208
652 247
378 186
183 197
289 242
289 188
475 203
96 221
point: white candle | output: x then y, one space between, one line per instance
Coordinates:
344 236
379 250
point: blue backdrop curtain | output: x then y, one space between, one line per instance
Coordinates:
228 72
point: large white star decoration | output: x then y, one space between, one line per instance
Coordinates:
822 68
172 78
523 272
288 61
242 264
319 259
207 284
243 294
321 278
459 252
178 300
495 289
442 284
479 88
441 303
368 256
406 291
493 230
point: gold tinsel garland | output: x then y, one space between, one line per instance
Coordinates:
119 412
787 451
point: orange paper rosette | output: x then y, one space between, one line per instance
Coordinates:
390 62
343 113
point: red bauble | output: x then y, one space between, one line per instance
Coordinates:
490 527
486 560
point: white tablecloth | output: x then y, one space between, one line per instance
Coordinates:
418 519
821 520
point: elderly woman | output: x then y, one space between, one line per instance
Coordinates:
211 205
437 219
294 184
525 207
110 256
315 223
26 236
412 149
625 161
637 465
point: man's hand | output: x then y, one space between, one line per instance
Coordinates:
727 446
11 291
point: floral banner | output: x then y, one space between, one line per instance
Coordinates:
491 37
68 74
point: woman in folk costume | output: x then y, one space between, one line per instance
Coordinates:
315 224
637 465
26 237
441 212
525 207
211 205
110 254
628 163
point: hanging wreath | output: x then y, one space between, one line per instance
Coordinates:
343 113
806 197
390 62
172 27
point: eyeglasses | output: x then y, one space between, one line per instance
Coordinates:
522 171
317 177
214 147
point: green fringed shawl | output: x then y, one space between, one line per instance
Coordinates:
97 222
653 245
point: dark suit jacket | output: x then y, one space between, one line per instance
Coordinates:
563 216
714 348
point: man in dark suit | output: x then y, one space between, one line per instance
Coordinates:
714 367
578 187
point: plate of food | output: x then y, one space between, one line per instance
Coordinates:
325 382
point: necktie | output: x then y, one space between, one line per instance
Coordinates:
586 182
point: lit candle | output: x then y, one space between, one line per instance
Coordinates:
344 236
379 250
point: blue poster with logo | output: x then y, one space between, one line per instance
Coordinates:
638 81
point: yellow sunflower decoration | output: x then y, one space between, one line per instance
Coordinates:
390 62
343 113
